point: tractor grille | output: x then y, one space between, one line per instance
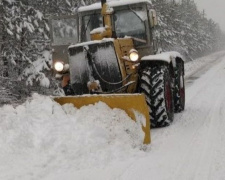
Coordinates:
96 61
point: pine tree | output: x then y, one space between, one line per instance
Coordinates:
183 28
24 42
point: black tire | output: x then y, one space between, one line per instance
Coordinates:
179 88
68 90
155 83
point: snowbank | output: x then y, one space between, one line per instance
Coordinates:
40 135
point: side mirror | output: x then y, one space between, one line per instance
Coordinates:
152 17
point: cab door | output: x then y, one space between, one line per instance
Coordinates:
64 32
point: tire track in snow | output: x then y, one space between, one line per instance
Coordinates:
218 169
206 164
198 161
214 131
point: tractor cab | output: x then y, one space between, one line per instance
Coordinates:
128 19
133 19
64 32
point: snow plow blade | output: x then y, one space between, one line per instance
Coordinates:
127 102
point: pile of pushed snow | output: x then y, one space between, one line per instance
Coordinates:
192 67
52 135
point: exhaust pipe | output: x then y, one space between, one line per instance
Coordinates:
103 2
106 16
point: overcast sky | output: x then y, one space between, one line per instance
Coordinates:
215 9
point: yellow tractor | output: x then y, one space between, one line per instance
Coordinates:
107 52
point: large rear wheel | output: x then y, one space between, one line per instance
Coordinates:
179 88
155 83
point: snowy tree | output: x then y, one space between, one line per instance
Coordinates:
183 28
25 43
26 51
51 7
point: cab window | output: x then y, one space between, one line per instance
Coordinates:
64 31
130 23
89 23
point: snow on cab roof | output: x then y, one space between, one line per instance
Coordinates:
111 3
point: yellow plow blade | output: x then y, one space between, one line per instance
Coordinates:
126 102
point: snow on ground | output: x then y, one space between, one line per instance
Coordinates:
202 63
41 136
40 140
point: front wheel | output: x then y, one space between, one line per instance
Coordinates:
155 83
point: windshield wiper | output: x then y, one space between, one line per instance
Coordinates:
137 39
84 32
136 14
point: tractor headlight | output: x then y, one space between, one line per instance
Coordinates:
59 66
133 55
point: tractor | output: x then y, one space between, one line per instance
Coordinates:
108 52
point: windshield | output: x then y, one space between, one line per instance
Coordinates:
130 23
64 31
90 22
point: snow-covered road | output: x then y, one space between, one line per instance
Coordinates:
45 146
193 147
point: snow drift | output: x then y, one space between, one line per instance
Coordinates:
41 129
